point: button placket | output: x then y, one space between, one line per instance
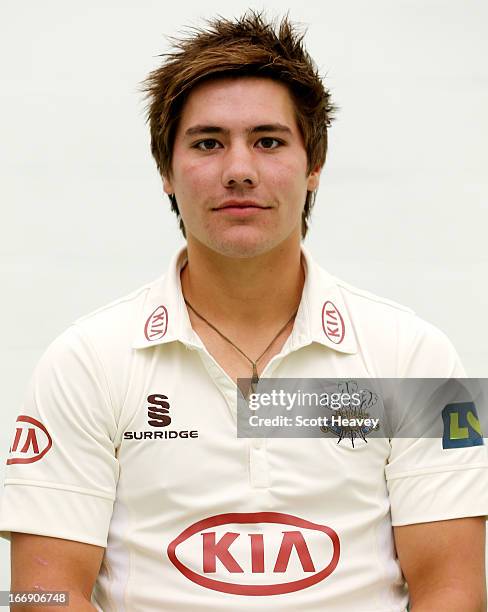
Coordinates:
259 476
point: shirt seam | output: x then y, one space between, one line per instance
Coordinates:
106 378
62 487
428 471
362 293
381 565
122 300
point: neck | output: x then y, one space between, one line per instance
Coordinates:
258 291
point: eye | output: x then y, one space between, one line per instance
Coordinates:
209 144
269 143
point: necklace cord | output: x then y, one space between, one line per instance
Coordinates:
253 363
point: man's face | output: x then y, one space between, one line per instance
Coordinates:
239 170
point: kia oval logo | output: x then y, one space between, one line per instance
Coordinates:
232 552
157 324
333 323
31 441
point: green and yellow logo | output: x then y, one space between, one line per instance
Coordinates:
461 426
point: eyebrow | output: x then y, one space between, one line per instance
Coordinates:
257 129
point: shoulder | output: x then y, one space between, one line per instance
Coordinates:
371 303
395 338
97 348
113 326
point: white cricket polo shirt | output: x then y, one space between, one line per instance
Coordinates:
127 440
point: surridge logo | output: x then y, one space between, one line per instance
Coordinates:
255 553
158 411
158 416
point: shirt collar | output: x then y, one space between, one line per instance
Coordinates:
322 315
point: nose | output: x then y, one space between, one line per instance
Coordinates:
239 168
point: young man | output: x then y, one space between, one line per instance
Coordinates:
125 473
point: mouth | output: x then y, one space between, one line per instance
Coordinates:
240 207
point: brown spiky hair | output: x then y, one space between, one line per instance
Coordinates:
246 46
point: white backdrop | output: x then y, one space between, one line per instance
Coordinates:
402 209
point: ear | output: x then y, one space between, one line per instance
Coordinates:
167 185
313 179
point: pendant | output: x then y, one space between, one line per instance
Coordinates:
255 378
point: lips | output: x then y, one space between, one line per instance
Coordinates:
240 204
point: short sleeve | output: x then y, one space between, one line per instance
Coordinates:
62 468
438 478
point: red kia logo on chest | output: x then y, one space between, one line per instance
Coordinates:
333 323
31 441
232 552
157 324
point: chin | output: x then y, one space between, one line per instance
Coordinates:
241 250
244 242
243 245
